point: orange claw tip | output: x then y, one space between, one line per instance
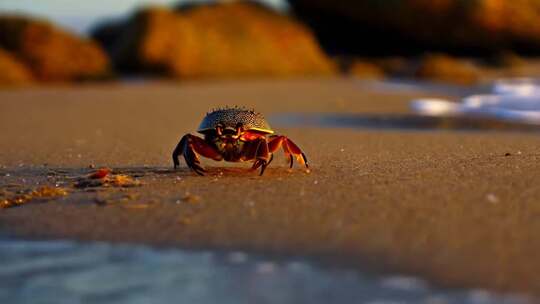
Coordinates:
100 173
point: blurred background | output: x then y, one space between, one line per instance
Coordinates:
465 42
459 209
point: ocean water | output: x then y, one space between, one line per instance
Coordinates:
59 272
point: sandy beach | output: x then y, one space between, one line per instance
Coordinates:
458 208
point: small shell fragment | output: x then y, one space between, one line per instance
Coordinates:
104 178
101 173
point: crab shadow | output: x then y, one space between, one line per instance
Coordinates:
240 172
210 172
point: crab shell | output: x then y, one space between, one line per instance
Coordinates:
230 118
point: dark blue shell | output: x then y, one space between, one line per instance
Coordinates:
230 117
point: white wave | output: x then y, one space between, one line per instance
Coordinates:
516 100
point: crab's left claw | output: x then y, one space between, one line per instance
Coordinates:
289 147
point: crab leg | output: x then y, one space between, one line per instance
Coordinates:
258 150
289 147
189 146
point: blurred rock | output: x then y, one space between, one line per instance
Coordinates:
398 66
507 60
409 27
365 70
509 64
12 71
442 68
220 40
51 53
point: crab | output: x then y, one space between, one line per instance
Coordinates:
235 135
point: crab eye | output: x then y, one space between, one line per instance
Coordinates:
239 128
219 129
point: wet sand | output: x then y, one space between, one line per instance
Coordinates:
450 206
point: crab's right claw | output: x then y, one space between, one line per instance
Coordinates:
192 160
185 148
179 150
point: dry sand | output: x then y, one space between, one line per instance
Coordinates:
447 205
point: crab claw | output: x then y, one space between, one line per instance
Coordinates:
263 163
179 150
189 146
192 160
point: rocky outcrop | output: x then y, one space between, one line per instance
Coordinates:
220 40
442 68
408 27
50 53
360 68
12 71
